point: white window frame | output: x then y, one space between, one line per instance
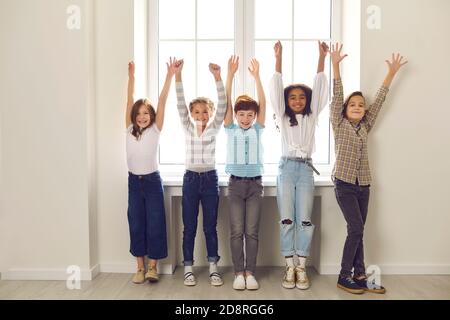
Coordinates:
244 47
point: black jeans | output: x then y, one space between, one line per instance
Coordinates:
353 200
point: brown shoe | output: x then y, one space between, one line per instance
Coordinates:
289 278
302 282
152 274
139 277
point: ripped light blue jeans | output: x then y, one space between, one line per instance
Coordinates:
295 196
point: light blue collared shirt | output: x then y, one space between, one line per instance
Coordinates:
244 151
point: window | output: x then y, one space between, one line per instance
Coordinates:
203 31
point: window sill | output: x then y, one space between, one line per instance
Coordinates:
172 176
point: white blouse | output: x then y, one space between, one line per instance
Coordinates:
298 141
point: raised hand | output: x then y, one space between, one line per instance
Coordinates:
214 68
323 49
278 49
233 65
179 65
131 69
336 53
396 63
254 68
173 66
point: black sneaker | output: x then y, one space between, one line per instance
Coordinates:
347 284
370 286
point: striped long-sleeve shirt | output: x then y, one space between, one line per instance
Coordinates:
201 149
352 160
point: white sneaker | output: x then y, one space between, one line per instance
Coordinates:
239 282
189 279
302 282
251 283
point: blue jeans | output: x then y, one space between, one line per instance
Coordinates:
353 200
200 188
146 216
295 197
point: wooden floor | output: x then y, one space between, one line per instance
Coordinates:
119 286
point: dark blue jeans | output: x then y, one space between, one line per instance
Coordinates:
200 188
354 201
146 216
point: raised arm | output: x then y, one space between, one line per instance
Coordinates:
276 88
323 51
337 104
254 70
233 66
172 68
320 87
278 48
222 98
393 67
130 95
181 100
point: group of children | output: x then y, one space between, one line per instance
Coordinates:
297 108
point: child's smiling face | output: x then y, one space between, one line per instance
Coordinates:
143 117
297 100
356 108
245 118
201 113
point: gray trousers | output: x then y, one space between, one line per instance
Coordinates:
244 201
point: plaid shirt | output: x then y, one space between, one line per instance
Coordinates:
352 161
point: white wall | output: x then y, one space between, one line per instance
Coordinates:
63 167
410 143
114 48
46 151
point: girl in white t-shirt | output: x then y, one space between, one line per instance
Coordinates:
146 214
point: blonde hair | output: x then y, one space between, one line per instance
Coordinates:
202 100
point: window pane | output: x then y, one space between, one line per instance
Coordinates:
312 19
181 50
177 19
265 55
212 52
322 136
306 55
215 19
172 149
271 141
273 19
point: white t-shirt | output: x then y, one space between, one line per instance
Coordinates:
299 141
142 153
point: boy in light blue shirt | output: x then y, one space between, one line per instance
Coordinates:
245 166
